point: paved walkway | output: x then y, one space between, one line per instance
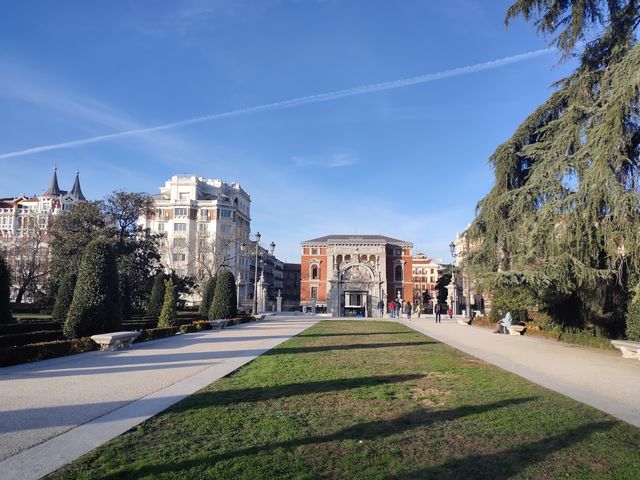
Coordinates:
600 378
54 411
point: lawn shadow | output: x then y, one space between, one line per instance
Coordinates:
507 463
318 335
363 431
73 414
351 346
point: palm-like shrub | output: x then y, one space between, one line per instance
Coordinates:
64 297
168 315
95 307
154 305
207 296
224 303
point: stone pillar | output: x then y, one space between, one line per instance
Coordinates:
238 287
279 301
262 294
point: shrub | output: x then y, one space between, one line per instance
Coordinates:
157 297
41 351
155 333
95 307
188 328
64 297
168 314
202 325
633 317
5 285
224 300
11 328
19 339
207 296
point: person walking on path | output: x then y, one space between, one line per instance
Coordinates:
398 308
438 311
381 308
418 310
408 310
392 308
450 312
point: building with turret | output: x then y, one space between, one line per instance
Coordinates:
24 223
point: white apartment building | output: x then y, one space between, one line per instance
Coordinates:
425 272
204 222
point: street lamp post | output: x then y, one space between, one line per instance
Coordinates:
452 249
272 247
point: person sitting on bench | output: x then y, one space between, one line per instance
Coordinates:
504 323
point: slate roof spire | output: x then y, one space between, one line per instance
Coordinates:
54 189
76 190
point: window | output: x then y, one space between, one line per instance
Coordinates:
179 257
179 227
314 251
204 214
225 213
160 227
432 271
180 212
226 229
180 242
398 273
314 293
202 227
398 252
184 196
314 272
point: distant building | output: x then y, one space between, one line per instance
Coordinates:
291 286
24 224
465 286
205 221
425 273
349 274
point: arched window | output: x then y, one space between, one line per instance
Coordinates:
314 272
339 259
398 273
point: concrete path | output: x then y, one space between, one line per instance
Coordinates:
600 378
54 411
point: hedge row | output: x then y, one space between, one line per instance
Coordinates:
11 328
28 308
154 333
42 351
19 339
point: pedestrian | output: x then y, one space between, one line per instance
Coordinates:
502 326
398 308
407 309
392 308
381 308
418 310
450 312
438 311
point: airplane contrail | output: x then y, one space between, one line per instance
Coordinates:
294 102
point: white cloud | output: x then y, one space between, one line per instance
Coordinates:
329 161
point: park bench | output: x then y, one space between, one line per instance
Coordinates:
219 323
516 329
628 348
115 340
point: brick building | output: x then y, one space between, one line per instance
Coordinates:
349 274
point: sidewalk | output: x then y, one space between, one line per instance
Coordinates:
53 411
600 378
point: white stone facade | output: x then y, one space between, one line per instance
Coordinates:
204 222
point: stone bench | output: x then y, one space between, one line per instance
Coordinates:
115 340
628 348
218 323
516 329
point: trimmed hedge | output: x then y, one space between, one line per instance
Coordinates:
154 333
19 339
64 297
188 328
224 300
207 296
154 305
168 315
42 351
11 328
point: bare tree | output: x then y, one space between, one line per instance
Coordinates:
28 255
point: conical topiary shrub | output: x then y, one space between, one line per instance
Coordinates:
95 307
168 315
207 296
5 291
154 305
64 297
224 303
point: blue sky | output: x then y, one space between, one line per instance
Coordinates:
408 162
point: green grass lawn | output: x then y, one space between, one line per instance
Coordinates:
369 400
